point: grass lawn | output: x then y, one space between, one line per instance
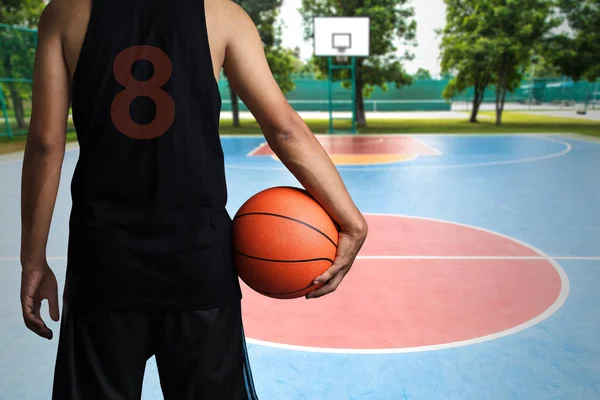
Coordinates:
514 122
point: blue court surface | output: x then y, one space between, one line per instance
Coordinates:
480 279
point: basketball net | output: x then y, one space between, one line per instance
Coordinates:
341 58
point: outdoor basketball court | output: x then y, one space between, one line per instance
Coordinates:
479 279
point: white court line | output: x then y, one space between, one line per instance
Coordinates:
19 156
376 138
366 101
431 148
258 148
560 258
432 134
571 258
367 168
581 138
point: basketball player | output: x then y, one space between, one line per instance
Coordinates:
149 268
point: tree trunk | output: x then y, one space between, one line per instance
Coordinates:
500 94
500 107
361 119
498 91
476 104
235 107
501 90
498 116
17 101
474 112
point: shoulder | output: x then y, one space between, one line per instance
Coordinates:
227 23
222 6
50 16
227 12
61 15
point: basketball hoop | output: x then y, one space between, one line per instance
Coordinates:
342 58
342 40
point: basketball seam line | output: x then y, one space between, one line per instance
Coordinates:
283 261
286 293
291 219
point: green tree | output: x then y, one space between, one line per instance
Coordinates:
311 67
298 64
264 14
577 53
282 63
464 54
423 74
503 33
541 67
391 23
446 76
17 50
517 27
25 13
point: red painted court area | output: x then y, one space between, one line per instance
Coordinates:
365 145
419 282
371 149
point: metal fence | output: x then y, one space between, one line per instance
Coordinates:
17 53
311 94
558 92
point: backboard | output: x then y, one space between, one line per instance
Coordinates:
342 36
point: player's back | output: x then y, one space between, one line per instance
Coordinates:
149 228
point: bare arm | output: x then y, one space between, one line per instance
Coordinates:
293 142
41 171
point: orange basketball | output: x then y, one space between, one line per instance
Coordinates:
282 240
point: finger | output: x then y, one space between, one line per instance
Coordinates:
42 330
50 292
341 263
329 287
30 317
37 308
30 307
347 251
53 305
34 322
335 268
30 303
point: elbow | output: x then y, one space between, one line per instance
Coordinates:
41 145
285 141
289 131
284 135
282 141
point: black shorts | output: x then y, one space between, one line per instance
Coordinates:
199 354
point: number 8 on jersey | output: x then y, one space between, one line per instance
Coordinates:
165 107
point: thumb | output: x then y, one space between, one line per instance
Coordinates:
53 305
339 263
345 253
327 275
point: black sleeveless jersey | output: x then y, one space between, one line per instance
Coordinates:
148 228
